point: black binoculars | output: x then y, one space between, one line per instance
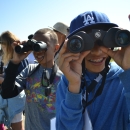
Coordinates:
83 41
31 45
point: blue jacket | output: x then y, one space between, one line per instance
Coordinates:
12 106
109 111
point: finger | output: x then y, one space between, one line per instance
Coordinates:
16 43
66 62
108 51
83 55
67 55
23 42
27 53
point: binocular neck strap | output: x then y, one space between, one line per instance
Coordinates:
50 78
92 86
47 81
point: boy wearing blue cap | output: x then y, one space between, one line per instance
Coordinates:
94 93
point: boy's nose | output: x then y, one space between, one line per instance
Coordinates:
96 50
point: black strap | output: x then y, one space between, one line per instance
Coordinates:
50 80
59 48
52 76
53 73
92 86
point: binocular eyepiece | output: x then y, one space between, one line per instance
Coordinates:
31 45
114 37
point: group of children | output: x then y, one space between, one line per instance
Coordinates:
78 88
39 108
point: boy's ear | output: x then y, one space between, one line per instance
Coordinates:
57 47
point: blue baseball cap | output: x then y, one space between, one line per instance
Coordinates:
89 20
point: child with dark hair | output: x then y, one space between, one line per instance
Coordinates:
94 94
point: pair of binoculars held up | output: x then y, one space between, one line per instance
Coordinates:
31 45
83 41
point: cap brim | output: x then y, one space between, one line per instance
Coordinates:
50 27
95 26
54 29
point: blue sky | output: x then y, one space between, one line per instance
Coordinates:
24 17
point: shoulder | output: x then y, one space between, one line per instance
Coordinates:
59 72
28 70
115 68
114 71
32 67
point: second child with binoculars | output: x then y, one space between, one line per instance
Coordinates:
39 80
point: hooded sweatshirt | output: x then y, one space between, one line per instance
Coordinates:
109 111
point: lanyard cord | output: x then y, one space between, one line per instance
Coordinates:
49 79
53 73
91 87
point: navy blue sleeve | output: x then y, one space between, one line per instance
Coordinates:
22 66
9 89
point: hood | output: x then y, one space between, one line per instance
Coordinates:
114 71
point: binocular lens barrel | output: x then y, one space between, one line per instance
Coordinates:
40 46
114 37
75 45
19 48
31 45
123 38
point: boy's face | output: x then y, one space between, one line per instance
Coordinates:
45 58
95 60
